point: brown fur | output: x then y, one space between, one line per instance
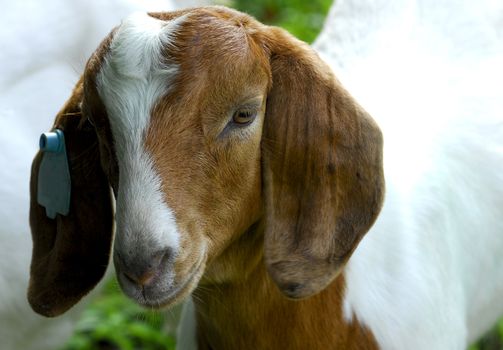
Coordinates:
70 253
280 209
252 314
321 164
323 170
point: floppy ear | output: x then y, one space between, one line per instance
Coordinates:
71 252
323 174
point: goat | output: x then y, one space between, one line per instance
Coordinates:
42 42
245 174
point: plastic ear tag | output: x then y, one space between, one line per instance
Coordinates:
54 183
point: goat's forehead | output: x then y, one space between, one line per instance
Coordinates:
143 42
144 47
142 58
130 75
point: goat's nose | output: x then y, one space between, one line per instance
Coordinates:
140 270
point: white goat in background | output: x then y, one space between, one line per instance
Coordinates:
429 274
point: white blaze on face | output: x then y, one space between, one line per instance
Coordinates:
133 77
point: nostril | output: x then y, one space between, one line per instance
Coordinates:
130 278
141 280
162 257
155 261
142 271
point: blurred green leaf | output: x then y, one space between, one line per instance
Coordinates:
304 19
114 322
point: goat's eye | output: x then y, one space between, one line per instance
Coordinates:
244 117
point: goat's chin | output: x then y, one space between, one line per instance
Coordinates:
176 295
166 292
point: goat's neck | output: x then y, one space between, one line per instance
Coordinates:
245 310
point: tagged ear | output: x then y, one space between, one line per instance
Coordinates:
323 174
71 252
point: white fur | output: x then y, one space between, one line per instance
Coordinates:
132 79
429 274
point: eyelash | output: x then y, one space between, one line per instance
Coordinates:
241 128
242 118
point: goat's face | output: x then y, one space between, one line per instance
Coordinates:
206 119
185 100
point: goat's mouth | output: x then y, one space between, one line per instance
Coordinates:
167 290
178 292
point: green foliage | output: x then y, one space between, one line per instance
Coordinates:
304 19
492 340
114 322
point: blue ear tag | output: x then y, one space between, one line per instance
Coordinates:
54 184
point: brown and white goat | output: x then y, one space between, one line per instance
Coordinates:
243 173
